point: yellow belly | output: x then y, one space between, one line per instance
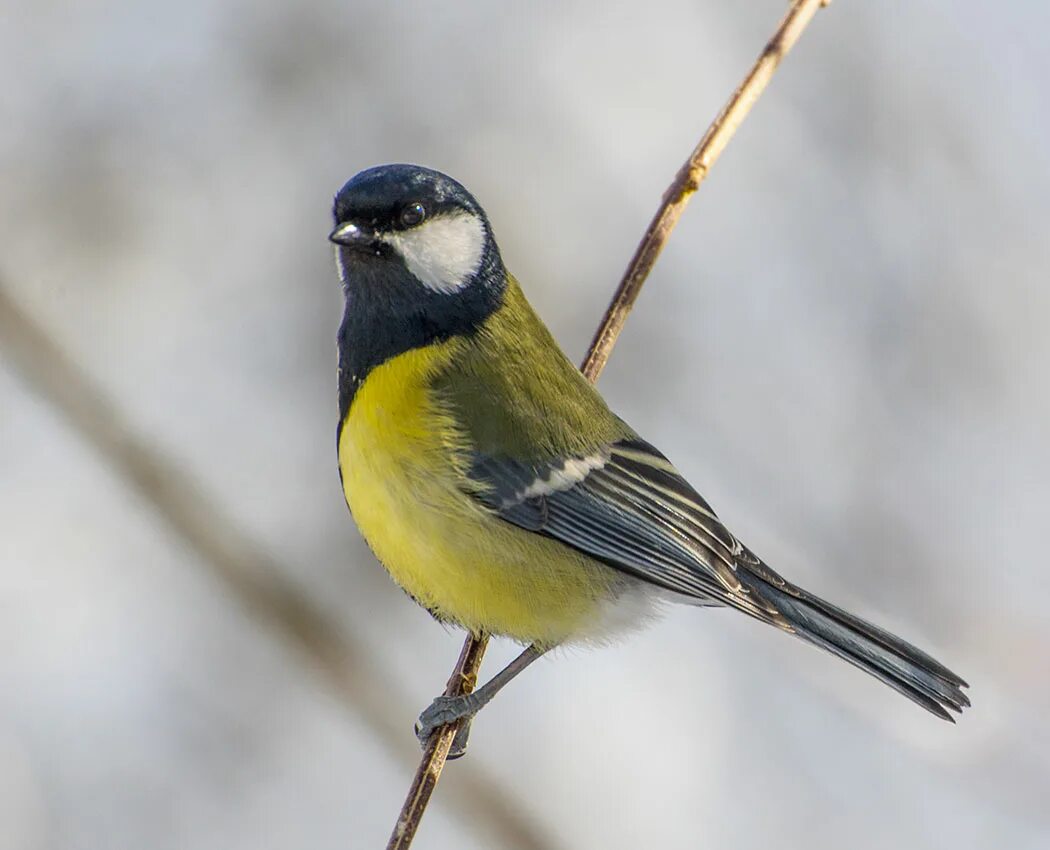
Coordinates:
402 465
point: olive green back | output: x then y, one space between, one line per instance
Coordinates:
518 395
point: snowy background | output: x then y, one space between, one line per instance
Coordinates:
843 347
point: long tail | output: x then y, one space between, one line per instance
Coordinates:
885 656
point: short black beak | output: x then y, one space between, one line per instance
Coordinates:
353 235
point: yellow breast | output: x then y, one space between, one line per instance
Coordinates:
403 463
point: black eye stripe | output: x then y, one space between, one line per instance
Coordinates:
412 215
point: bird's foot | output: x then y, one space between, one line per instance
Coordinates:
459 743
443 711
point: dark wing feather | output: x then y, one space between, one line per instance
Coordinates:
627 506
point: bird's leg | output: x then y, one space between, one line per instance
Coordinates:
444 710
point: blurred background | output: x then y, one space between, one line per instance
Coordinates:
843 346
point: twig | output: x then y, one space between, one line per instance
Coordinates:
685 183
689 178
245 567
436 752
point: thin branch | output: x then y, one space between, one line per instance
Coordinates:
248 571
689 178
436 752
686 182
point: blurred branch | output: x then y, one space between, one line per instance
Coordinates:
686 182
248 571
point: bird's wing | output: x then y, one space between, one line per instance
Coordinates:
627 506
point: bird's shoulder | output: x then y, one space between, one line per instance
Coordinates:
515 394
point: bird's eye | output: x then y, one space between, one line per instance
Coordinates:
412 215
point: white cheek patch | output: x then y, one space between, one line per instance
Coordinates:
443 253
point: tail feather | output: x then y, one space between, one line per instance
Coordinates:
885 656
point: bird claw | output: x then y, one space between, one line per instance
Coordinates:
441 712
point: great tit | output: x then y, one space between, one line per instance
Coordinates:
493 482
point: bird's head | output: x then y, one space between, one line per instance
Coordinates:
418 264
404 225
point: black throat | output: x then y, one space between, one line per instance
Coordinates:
389 312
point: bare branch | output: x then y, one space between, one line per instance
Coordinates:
689 178
463 680
685 183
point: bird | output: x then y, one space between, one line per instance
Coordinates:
495 485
